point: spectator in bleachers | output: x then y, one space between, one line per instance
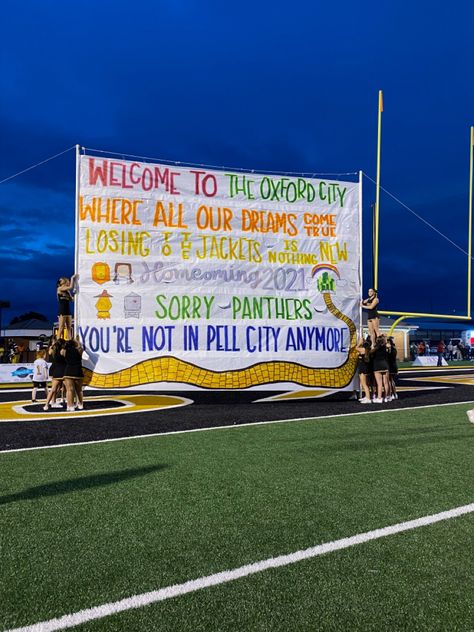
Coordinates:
450 351
440 350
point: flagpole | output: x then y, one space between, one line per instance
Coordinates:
377 195
469 247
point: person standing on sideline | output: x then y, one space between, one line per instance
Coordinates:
373 318
40 375
440 350
450 350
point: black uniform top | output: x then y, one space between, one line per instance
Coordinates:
372 313
73 367
58 364
392 360
364 366
64 301
381 358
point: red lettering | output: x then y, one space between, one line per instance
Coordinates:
197 177
96 172
130 176
124 179
132 169
173 189
147 174
113 179
200 184
161 177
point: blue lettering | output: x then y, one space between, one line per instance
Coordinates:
157 338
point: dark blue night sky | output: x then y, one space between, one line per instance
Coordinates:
257 85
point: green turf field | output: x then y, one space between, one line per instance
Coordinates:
82 526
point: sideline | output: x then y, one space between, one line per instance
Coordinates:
233 426
177 590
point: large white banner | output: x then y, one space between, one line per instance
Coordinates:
214 279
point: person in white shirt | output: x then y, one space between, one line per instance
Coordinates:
40 374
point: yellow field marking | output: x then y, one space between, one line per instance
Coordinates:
404 389
9 385
296 395
467 379
15 411
435 369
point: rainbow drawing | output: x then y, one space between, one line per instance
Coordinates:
324 266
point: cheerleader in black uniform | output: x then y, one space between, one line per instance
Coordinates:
392 368
373 319
380 356
73 374
64 287
364 368
56 371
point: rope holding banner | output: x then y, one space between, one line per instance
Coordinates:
37 164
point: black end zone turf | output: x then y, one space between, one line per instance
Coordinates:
209 409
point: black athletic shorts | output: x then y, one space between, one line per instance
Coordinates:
39 384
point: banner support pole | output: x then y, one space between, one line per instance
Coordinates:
76 236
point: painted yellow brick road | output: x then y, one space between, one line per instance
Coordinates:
170 369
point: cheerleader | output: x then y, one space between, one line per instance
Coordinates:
392 368
380 355
373 319
73 374
56 372
364 368
64 291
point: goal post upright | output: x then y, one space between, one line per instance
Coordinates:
405 314
469 247
377 194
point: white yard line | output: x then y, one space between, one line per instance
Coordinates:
139 601
235 426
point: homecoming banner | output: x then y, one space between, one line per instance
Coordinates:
216 279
